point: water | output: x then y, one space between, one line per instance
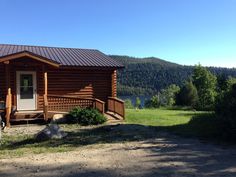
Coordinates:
133 99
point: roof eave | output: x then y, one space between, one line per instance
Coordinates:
30 55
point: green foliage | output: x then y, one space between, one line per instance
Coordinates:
205 83
188 95
73 115
147 76
221 83
87 116
137 102
153 102
167 96
226 111
230 82
128 104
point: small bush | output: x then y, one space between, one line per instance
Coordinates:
128 104
138 102
87 116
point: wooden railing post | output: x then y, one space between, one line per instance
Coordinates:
100 105
45 107
9 96
45 96
8 107
114 106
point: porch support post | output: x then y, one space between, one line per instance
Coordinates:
9 96
114 84
45 83
45 97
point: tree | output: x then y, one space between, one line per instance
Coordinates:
221 82
153 102
188 95
230 82
226 112
137 102
205 83
168 96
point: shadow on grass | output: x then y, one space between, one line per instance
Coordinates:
89 136
202 126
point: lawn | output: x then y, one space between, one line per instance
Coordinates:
159 117
198 124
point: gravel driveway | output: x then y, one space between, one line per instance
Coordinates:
164 155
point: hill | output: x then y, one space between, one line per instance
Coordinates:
147 76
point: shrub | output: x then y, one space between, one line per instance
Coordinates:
137 102
87 116
128 104
73 117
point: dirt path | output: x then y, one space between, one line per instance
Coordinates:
166 155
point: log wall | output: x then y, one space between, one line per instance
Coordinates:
72 81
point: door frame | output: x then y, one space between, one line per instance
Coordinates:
34 74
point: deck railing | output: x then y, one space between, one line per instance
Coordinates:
67 103
116 106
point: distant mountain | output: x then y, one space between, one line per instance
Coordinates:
126 60
147 76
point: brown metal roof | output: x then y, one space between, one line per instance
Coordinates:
64 56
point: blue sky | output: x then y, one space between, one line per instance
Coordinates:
181 31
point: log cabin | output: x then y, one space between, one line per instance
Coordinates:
37 81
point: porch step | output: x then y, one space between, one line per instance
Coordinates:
27 115
113 117
27 121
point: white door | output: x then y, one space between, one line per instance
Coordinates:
26 90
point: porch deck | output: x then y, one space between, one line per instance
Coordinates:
56 104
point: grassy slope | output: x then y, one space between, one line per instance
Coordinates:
158 117
186 123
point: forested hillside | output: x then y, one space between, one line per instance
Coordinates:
147 76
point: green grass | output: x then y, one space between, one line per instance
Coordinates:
198 124
159 117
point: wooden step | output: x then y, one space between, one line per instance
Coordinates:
111 115
27 116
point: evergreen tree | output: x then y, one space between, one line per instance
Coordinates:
188 95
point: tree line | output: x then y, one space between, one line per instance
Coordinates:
147 76
203 91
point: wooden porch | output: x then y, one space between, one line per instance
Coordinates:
54 104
